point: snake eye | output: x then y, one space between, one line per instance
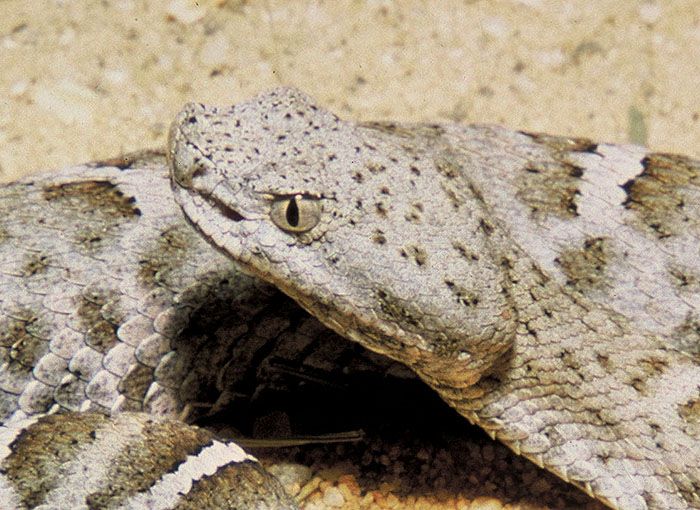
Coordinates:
296 214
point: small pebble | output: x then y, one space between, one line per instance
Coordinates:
185 12
485 503
333 497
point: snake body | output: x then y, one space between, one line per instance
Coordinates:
545 287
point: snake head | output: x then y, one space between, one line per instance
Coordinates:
371 228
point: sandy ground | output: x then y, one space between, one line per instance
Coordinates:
88 80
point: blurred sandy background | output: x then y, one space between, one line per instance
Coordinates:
81 80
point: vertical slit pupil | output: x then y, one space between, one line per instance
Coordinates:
292 213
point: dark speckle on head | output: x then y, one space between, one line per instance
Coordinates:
375 168
448 168
36 264
464 251
414 213
381 208
378 237
463 295
416 253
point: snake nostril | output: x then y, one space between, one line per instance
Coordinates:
184 172
197 171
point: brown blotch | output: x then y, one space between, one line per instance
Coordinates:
70 393
486 227
161 447
686 337
690 410
99 315
563 144
604 362
476 193
662 193
406 131
99 205
233 486
24 339
39 451
644 369
90 238
639 384
136 382
159 264
570 359
550 185
133 159
585 267
91 197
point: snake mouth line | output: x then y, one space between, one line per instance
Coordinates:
225 211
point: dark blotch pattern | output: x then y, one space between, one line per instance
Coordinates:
585 267
549 183
160 264
39 451
665 194
23 341
160 449
100 318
